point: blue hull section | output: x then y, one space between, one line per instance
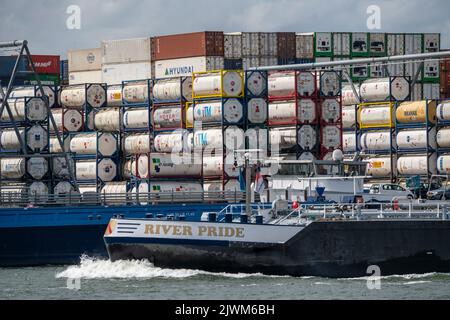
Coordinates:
60 235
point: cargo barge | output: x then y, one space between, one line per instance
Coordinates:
328 243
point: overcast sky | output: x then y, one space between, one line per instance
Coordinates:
43 22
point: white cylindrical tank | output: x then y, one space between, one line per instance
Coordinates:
381 89
86 143
168 165
416 165
38 190
177 141
443 164
115 188
211 111
19 92
285 138
414 139
213 166
129 169
331 110
443 111
9 139
12 168
282 112
306 84
376 140
108 120
167 117
307 137
87 170
172 186
60 167
212 138
307 111
173 89
229 84
137 143
37 138
63 187
257 110
330 83
69 119
37 167
331 136
77 96
135 92
114 94
348 96
349 141
136 118
32 109
281 85
376 115
443 137
380 167
349 117
256 83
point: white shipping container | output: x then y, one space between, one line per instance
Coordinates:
233 45
431 91
268 61
349 141
413 43
186 66
377 70
331 110
307 137
417 92
331 136
411 68
126 51
85 59
117 73
268 42
285 138
323 42
250 44
250 62
341 43
359 42
80 77
304 45
431 69
377 42
395 44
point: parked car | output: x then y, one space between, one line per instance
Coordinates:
388 192
422 191
439 194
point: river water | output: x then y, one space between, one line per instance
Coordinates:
102 279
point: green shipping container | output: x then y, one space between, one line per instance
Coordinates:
46 79
323 44
360 72
360 44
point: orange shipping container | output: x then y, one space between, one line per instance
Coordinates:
208 43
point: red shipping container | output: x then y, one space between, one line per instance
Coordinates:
46 64
188 45
445 79
286 45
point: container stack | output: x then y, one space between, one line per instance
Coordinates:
376 123
19 173
137 131
443 137
183 54
416 138
219 122
95 153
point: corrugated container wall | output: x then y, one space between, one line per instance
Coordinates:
85 60
432 42
286 45
256 44
395 44
233 45
377 44
209 43
79 77
126 50
46 64
341 43
116 73
445 79
304 46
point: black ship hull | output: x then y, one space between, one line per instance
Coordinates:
328 249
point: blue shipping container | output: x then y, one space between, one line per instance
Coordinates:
233 64
7 66
64 70
285 61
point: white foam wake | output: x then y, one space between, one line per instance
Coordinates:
92 268
401 276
